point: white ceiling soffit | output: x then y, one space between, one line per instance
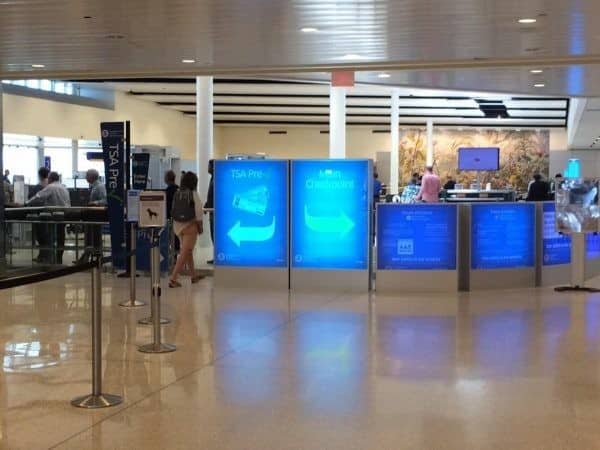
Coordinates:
106 38
294 102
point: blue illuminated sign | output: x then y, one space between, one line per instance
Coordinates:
251 221
330 214
502 236
592 246
416 237
556 246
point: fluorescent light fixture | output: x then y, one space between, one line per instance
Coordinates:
384 75
309 30
527 21
536 71
38 66
188 61
539 85
351 56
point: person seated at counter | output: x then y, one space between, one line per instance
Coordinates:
450 183
430 187
539 190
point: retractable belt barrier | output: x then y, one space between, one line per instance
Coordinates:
97 399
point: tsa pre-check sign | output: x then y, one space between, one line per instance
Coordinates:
330 214
251 216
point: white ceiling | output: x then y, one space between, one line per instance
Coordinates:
106 38
256 101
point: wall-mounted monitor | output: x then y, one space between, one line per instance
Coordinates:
479 158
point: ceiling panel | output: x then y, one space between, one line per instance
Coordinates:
151 37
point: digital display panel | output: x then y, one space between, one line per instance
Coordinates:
251 216
502 236
416 237
556 246
330 214
480 159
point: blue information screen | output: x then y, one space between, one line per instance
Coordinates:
502 236
251 218
416 237
330 214
556 246
592 246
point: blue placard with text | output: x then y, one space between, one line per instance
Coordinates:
556 246
251 216
592 246
416 237
330 214
502 236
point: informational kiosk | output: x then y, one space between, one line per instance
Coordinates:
555 264
417 248
592 255
502 249
251 223
330 224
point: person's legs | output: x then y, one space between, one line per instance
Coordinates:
211 218
188 240
60 242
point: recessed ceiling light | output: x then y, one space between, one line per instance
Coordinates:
539 85
38 66
536 71
527 21
309 30
384 75
188 61
351 56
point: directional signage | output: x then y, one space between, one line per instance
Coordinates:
251 224
416 237
556 246
330 214
502 236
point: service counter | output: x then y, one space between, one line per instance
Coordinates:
476 196
449 247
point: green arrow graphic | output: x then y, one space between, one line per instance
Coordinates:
239 234
335 224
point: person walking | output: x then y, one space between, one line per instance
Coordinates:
187 225
210 205
430 187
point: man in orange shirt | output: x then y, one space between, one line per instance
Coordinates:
430 187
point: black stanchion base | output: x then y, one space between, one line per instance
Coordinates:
157 348
132 304
575 289
150 321
97 401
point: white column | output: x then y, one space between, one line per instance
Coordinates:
429 158
337 122
395 142
204 131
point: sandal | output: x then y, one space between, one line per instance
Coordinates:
174 284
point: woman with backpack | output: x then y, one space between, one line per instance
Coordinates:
187 225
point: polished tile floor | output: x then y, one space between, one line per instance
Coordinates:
518 369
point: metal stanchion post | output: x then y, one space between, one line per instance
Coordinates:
97 399
132 302
156 346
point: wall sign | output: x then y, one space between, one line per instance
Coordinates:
416 237
330 214
251 215
502 236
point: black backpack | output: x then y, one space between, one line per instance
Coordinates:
184 208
